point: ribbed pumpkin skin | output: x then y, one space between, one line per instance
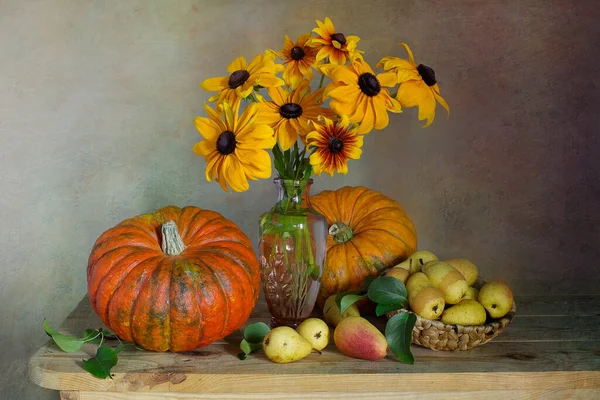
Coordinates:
173 303
383 236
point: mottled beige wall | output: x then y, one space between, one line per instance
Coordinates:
97 100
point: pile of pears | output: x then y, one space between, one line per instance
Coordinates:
437 290
353 335
444 290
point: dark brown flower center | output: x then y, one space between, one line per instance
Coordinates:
369 84
226 143
238 78
428 74
290 110
339 37
297 53
336 145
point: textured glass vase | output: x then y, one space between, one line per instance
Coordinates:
292 245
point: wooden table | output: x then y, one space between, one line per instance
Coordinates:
550 351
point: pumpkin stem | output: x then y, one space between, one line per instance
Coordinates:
172 245
341 232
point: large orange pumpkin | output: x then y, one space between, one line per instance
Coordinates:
176 279
368 232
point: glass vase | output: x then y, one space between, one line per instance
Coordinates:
292 245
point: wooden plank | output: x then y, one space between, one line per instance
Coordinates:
554 394
536 352
319 382
147 371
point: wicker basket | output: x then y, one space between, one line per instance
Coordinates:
436 335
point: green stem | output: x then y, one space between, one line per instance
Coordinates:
321 81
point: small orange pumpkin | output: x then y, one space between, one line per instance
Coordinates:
368 232
176 279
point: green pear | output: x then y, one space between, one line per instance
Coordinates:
466 268
331 312
415 262
399 273
356 337
416 282
496 297
283 345
446 278
472 294
427 302
316 331
467 312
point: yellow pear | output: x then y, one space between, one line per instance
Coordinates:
427 302
316 331
283 345
467 312
496 297
419 258
416 282
446 278
466 268
472 294
399 273
331 311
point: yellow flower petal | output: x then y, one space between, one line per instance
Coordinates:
215 84
411 93
236 65
207 128
382 118
387 79
427 108
410 54
286 135
234 174
344 92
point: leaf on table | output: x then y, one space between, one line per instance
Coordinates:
68 344
256 332
387 290
100 365
398 333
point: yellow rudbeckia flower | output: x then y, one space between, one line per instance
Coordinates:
234 147
290 114
357 92
418 85
243 77
334 45
335 143
298 59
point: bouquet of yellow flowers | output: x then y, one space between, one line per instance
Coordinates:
328 120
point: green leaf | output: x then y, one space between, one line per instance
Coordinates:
398 333
387 290
242 356
348 300
256 332
385 308
68 344
340 296
100 366
366 283
48 329
278 160
93 336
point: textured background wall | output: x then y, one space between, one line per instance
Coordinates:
97 100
